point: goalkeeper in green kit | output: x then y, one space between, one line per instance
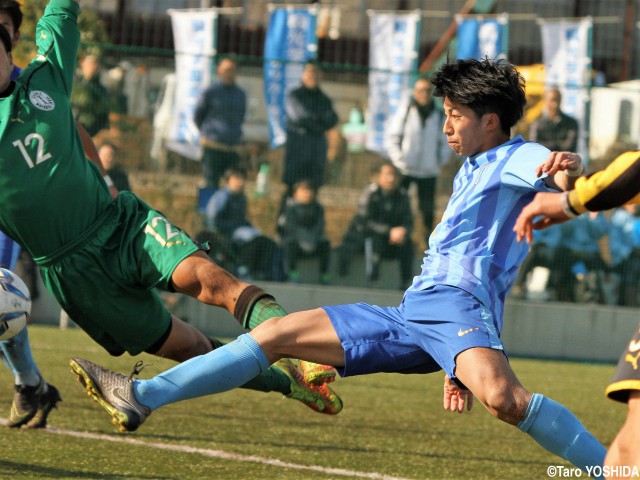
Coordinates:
102 259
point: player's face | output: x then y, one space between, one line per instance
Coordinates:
6 22
466 133
6 65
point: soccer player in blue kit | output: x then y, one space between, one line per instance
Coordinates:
450 317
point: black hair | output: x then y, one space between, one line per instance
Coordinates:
485 86
228 56
6 38
387 163
12 8
235 172
312 62
305 183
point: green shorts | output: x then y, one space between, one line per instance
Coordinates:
107 281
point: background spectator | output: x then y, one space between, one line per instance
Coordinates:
89 98
553 128
310 114
385 210
226 215
109 157
579 254
543 253
302 224
416 146
624 246
219 115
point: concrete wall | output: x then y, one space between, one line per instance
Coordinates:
542 330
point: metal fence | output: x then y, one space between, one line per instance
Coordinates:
343 27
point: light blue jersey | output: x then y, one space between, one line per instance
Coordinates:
474 247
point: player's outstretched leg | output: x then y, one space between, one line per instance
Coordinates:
558 430
297 380
253 307
130 401
34 398
550 424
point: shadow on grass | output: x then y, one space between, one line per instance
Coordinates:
25 469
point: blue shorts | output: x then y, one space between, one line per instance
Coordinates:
422 335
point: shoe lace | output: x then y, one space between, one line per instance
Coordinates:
137 368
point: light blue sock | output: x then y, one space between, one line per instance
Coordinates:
558 430
220 370
18 357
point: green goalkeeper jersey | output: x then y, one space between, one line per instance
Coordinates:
51 195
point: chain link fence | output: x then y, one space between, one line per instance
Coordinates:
138 62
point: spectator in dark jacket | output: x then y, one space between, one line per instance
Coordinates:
309 115
226 215
219 115
553 128
89 98
385 210
108 154
302 224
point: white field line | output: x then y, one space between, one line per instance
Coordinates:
215 453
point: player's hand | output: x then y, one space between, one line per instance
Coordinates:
549 205
113 191
456 398
558 162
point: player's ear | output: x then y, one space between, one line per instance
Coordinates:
491 121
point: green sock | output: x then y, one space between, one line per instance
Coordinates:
271 380
263 310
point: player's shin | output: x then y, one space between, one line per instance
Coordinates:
222 369
18 357
558 430
271 380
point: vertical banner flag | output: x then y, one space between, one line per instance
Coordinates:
195 39
480 37
566 54
393 62
291 41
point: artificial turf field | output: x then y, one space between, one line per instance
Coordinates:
392 426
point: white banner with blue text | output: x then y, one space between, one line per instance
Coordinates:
393 61
291 41
480 37
566 54
195 41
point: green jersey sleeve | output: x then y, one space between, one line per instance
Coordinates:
60 21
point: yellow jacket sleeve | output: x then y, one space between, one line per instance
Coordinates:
612 187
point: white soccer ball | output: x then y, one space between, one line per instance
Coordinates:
15 304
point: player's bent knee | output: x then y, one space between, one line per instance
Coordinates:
506 406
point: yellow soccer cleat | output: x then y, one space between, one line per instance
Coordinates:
319 398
